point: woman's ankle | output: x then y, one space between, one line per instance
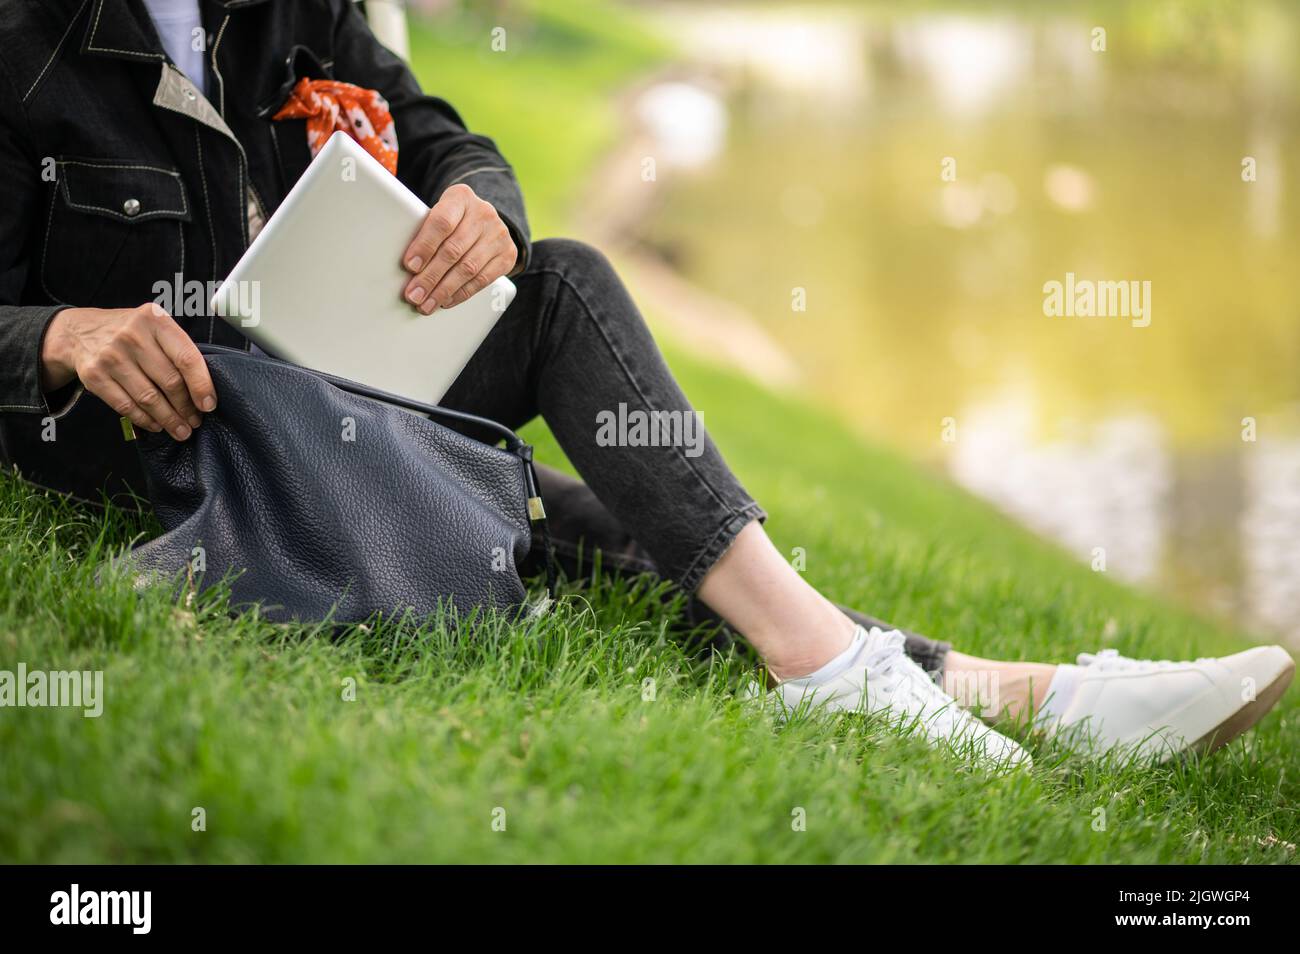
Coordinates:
794 657
999 690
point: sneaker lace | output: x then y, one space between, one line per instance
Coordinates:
889 659
883 659
1109 660
938 713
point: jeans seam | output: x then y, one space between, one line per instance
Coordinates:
630 379
709 554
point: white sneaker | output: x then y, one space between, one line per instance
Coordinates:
881 679
1165 708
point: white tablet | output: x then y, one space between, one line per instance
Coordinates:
321 285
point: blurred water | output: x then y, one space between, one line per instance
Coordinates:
1270 524
921 177
1100 491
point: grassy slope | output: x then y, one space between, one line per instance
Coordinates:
247 721
544 99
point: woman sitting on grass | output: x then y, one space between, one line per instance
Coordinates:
132 154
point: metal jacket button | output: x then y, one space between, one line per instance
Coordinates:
190 94
131 207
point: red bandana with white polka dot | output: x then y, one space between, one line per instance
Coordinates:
328 106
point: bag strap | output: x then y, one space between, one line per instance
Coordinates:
513 442
537 514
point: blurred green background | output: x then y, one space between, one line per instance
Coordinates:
799 151
729 156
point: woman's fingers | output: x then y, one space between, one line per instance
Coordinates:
491 272
112 394
470 238
475 259
446 229
162 371
453 253
141 363
149 395
186 358
437 225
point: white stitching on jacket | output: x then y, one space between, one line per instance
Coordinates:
207 208
72 402
45 248
55 55
94 28
67 191
221 81
474 172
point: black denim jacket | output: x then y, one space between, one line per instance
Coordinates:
115 174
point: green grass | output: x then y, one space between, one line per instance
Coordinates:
550 722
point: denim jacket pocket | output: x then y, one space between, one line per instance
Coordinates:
289 136
115 227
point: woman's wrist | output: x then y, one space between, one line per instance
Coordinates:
57 368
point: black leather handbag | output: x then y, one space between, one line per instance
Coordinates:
322 499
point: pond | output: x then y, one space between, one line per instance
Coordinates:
1057 262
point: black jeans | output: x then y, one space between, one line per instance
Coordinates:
574 348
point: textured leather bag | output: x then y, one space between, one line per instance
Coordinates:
320 498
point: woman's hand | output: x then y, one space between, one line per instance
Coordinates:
462 247
138 361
